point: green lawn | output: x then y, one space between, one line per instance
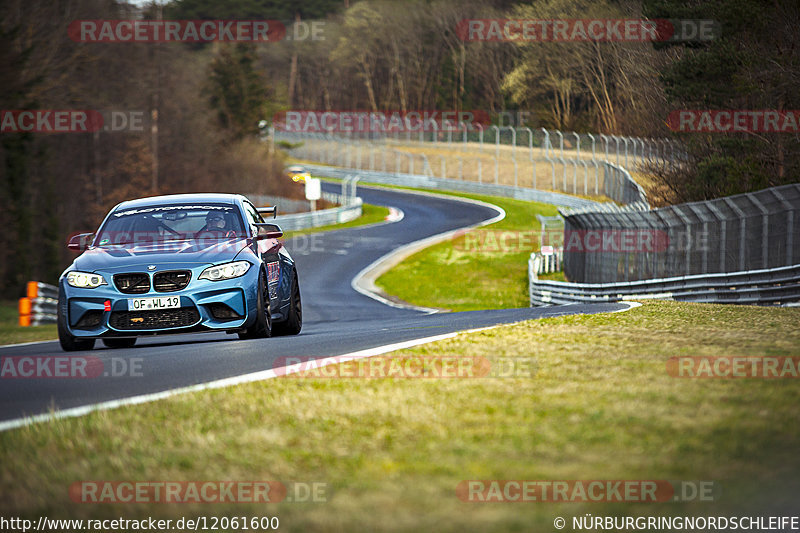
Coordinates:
370 214
487 268
11 332
392 451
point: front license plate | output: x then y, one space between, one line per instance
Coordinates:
158 302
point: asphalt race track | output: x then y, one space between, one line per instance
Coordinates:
337 319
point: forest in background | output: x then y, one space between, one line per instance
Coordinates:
207 99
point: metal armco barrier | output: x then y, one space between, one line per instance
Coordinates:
285 205
621 187
445 184
39 306
537 159
324 217
547 263
775 286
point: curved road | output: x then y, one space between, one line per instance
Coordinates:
337 319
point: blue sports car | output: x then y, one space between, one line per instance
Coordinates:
175 264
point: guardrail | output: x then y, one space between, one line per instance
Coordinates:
621 187
775 286
323 217
547 263
285 205
350 208
39 306
567 162
446 184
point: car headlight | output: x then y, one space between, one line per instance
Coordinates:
85 280
225 271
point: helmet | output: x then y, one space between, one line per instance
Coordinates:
215 220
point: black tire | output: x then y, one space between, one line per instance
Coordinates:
70 343
294 321
120 343
262 328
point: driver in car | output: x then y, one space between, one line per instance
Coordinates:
215 221
216 224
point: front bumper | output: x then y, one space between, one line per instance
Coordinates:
204 306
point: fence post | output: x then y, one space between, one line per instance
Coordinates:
594 162
723 231
625 140
547 155
764 229
789 224
514 153
530 156
577 158
704 221
496 153
561 158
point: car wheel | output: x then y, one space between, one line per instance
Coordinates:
262 327
120 343
70 343
293 322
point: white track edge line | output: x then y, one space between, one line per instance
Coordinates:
387 261
261 375
26 343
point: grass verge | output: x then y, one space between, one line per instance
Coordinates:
487 267
370 214
11 332
393 451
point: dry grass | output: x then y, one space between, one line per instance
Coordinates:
601 406
486 164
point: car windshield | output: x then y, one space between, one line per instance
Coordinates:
179 222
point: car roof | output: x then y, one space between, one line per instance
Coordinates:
218 198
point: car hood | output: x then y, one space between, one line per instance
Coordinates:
121 257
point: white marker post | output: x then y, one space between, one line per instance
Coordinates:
313 191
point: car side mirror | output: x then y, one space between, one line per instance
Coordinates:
268 231
80 242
